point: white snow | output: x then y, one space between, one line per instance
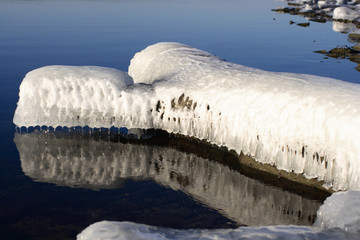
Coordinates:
341 210
53 95
346 13
301 123
307 8
107 230
337 9
94 164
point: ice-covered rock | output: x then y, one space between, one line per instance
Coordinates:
64 95
307 8
339 10
300 123
107 230
346 13
341 210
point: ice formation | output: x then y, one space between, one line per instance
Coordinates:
56 93
341 210
106 230
346 13
98 164
299 123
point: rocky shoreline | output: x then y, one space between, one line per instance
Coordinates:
322 11
344 52
345 16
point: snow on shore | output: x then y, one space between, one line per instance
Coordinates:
340 10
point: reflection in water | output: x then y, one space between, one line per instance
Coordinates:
343 27
76 162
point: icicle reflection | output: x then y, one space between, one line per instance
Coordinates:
77 161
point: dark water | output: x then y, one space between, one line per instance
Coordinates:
42 195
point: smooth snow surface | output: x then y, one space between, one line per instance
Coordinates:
77 162
301 123
106 230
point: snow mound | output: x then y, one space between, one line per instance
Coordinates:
127 230
346 13
299 123
341 210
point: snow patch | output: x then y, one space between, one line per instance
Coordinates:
341 210
127 230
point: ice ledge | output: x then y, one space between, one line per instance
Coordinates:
338 218
298 123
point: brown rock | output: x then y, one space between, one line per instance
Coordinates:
354 37
307 24
356 47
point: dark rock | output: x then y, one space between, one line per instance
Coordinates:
310 14
293 11
307 24
343 20
294 4
291 22
355 58
319 20
342 52
354 37
356 47
358 67
321 51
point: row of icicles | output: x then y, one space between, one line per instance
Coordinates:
86 131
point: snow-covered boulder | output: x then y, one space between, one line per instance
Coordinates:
346 13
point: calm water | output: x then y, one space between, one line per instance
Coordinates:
43 194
